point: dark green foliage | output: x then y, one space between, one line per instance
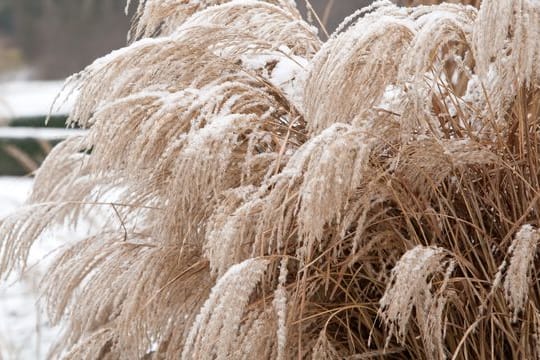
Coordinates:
56 121
34 149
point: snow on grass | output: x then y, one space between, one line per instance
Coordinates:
33 98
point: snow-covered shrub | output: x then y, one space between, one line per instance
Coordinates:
275 197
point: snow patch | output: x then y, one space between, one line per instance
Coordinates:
38 133
33 98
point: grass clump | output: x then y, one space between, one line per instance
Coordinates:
375 196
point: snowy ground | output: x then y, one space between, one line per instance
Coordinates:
33 98
24 333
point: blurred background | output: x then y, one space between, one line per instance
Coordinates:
50 39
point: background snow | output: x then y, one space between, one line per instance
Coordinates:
24 331
32 98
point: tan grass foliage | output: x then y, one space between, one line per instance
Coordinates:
375 196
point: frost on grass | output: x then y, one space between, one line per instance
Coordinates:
517 281
411 287
221 315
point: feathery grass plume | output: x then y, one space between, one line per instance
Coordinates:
15 253
139 314
209 158
232 140
156 18
87 350
257 331
228 232
517 280
280 307
356 66
324 350
283 25
436 69
221 314
162 17
410 286
506 46
450 29
332 173
65 159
